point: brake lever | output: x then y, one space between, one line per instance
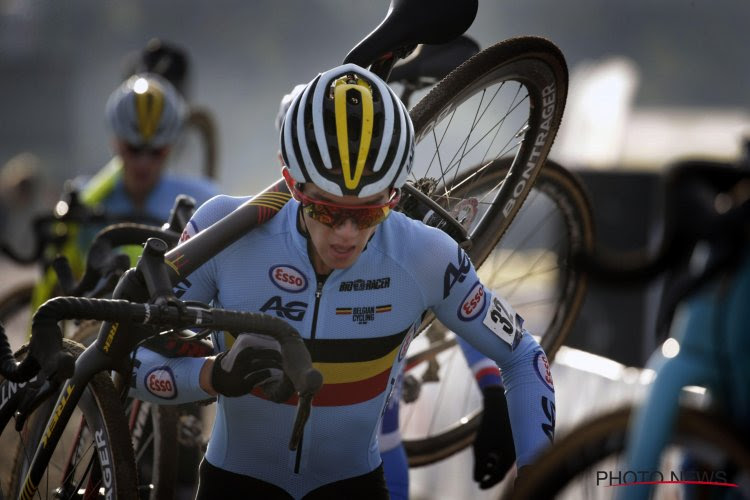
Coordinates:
304 405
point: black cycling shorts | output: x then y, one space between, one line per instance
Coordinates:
219 483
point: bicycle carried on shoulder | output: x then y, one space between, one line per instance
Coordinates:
494 117
484 126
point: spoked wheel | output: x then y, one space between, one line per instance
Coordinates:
589 462
529 267
94 457
154 435
506 102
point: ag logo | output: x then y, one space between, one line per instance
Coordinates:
160 382
541 365
455 274
473 303
548 407
293 310
288 278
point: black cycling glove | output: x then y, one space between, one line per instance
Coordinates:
494 452
253 360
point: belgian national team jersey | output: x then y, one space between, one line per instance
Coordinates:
357 324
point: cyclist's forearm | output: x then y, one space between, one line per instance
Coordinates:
164 380
531 400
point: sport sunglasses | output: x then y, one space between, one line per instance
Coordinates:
144 150
334 214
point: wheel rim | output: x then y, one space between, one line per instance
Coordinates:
74 470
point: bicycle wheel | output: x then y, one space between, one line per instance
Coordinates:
529 268
505 102
589 461
153 430
94 456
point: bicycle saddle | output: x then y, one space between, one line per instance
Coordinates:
411 22
430 63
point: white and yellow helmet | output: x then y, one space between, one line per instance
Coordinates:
348 133
146 110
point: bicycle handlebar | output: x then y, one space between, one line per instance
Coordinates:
46 341
100 260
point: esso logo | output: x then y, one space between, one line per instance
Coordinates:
473 303
288 278
160 382
541 365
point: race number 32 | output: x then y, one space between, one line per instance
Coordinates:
503 321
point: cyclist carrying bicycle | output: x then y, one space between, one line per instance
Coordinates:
347 142
493 444
145 115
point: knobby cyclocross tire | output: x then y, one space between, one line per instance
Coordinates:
572 461
506 101
153 429
99 450
555 222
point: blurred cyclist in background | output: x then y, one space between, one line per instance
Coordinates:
145 116
197 149
494 451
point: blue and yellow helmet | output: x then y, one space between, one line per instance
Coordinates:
146 111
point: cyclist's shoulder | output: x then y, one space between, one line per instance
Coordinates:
215 209
414 240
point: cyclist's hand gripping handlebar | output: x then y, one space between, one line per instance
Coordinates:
46 340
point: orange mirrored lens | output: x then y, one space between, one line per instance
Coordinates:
334 214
